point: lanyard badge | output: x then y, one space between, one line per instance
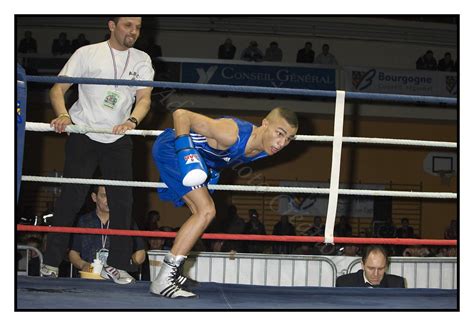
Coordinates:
112 98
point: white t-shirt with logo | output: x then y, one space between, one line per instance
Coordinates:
93 108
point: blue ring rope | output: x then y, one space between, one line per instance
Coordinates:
249 89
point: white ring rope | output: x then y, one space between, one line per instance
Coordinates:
275 189
45 127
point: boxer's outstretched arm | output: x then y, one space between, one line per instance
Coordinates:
224 131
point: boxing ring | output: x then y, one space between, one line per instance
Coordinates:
34 293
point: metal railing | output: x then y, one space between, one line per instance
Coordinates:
28 256
255 269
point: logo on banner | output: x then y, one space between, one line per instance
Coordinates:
206 75
362 79
191 159
451 83
302 202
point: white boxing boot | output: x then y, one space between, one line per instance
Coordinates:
166 283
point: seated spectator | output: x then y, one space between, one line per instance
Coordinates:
416 251
226 50
61 45
273 53
317 228
305 249
28 44
325 58
350 250
451 232
236 225
446 64
86 247
305 55
374 265
405 231
343 228
162 243
427 62
252 53
283 227
80 41
152 220
254 226
447 252
386 229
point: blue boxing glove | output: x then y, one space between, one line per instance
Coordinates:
192 166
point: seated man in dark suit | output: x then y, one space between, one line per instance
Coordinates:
372 274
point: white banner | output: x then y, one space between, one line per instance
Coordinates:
410 82
317 205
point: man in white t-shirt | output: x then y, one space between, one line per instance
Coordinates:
104 107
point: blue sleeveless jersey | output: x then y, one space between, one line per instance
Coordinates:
167 163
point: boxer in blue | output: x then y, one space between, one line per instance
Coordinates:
189 157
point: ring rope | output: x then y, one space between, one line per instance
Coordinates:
273 189
46 127
452 101
249 237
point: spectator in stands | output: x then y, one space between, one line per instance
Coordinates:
236 225
28 44
451 232
447 252
283 227
326 58
252 53
153 220
405 231
148 44
86 247
61 45
317 228
153 224
343 228
80 41
273 53
446 64
161 243
254 226
306 55
226 50
387 229
417 251
374 265
350 250
427 62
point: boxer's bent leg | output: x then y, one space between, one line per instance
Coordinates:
203 211
169 283
80 162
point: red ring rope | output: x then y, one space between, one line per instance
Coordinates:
252 237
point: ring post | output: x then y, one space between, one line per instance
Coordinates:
20 116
